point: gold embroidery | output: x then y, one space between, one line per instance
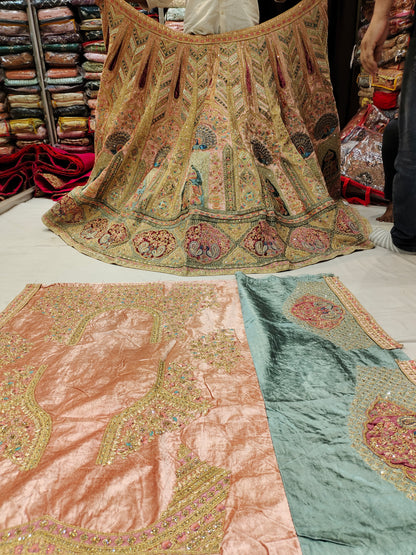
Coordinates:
24 426
408 367
72 307
362 317
12 347
173 402
329 319
393 387
193 522
18 303
219 348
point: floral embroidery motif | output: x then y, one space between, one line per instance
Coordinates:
71 308
205 243
94 229
310 240
173 402
390 432
192 523
68 210
115 235
154 244
12 347
382 426
346 224
318 312
315 307
24 426
219 348
264 241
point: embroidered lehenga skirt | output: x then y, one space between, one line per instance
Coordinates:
214 153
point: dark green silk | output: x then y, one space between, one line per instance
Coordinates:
317 386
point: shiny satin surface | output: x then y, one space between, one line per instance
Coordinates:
329 388
105 390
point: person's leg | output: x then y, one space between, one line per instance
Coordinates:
389 151
403 232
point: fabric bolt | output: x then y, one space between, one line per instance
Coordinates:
214 153
168 424
61 59
92 67
72 47
15 40
20 74
13 49
95 57
12 61
340 400
12 15
60 38
92 76
62 72
50 170
25 90
93 35
27 124
21 82
58 28
72 111
60 12
91 25
64 81
73 124
24 101
14 4
14 28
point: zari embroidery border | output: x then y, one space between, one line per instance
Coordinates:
16 305
408 367
361 316
192 523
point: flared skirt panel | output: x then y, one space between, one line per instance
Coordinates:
214 154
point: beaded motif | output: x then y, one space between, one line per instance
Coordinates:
12 347
24 426
72 308
362 317
314 307
170 404
219 348
382 425
193 522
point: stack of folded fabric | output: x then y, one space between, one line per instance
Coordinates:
94 53
383 89
22 116
62 46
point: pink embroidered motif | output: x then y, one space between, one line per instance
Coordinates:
318 312
390 432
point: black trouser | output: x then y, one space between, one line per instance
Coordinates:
390 148
403 232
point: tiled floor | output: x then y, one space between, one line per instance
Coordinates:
384 282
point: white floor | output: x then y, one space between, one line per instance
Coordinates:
384 282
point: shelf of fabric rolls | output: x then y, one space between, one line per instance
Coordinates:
52 55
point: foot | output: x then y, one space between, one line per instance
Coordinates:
381 237
388 214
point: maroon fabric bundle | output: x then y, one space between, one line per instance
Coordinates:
52 171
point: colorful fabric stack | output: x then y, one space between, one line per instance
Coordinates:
383 89
61 42
22 116
94 55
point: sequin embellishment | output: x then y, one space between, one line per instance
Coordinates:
192 523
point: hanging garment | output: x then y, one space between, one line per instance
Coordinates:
214 153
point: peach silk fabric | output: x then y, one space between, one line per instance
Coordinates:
100 348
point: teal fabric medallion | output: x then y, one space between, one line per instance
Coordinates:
341 412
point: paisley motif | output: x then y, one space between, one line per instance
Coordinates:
318 312
205 243
154 244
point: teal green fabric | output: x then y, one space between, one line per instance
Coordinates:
317 386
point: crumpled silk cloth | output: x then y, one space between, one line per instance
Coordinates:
214 153
133 422
51 170
341 404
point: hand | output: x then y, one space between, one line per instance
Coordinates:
372 43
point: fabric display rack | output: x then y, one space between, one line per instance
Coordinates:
52 54
361 158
